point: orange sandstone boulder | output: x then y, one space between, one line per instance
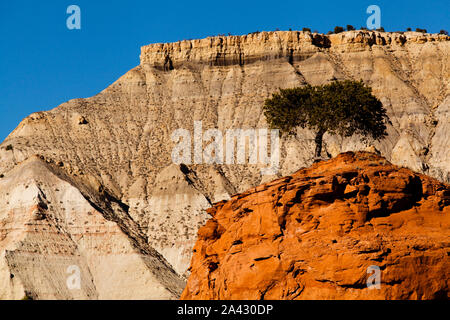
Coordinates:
319 233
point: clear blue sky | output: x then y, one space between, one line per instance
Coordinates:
43 64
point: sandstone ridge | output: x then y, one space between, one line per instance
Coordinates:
314 234
293 45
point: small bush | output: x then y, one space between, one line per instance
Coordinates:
306 30
338 29
408 29
443 32
363 28
380 29
421 30
9 147
350 27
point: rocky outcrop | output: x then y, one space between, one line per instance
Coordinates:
257 46
119 142
318 234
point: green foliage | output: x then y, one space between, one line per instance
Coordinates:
306 30
421 30
350 27
408 29
443 32
338 29
341 107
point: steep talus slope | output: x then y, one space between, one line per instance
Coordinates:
320 232
120 140
49 230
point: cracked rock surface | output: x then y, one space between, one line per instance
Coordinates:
316 233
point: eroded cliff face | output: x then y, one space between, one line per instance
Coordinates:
318 234
119 141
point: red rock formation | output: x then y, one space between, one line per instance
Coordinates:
314 234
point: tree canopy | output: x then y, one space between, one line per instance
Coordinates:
341 107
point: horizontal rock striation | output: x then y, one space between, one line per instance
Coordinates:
291 45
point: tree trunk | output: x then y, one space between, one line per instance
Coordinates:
318 141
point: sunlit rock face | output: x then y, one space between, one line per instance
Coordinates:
354 227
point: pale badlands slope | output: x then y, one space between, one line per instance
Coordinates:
48 226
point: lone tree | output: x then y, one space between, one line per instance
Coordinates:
341 107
